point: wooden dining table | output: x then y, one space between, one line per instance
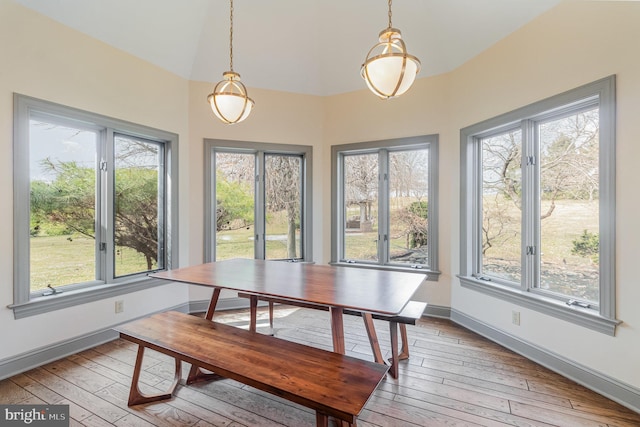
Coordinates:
369 291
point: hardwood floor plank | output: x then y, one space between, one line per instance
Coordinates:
558 418
124 367
95 421
400 413
131 420
452 371
12 393
221 397
158 413
511 393
200 406
432 392
468 413
618 414
45 394
77 395
78 375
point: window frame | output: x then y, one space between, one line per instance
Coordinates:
600 93
27 303
338 222
259 149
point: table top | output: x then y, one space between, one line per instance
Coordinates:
368 290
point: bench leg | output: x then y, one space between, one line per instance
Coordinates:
271 331
373 337
136 397
393 331
196 375
404 352
322 420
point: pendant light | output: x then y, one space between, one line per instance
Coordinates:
388 69
229 100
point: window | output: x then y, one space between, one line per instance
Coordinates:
92 207
538 206
258 201
384 204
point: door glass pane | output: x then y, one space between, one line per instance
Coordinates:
137 218
283 200
235 205
569 214
62 173
408 206
361 207
502 206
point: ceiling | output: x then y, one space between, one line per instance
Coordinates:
311 47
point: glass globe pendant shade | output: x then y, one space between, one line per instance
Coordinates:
229 100
389 70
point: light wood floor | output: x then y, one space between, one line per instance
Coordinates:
453 378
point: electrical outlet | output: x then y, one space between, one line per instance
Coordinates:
515 317
119 306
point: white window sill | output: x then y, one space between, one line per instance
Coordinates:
70 298
586 317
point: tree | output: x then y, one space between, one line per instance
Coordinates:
70 200
283 192
568 162
234 204
361 183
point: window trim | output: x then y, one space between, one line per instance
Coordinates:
25 304
603 92
337 200
258 148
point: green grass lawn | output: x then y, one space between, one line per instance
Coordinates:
63 260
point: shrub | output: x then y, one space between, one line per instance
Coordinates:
587 245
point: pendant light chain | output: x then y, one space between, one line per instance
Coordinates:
231 36
229 100
388 69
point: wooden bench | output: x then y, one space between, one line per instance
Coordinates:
408 316
332 384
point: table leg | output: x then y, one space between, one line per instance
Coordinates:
337 329
195 373
253 304
212 304
373 337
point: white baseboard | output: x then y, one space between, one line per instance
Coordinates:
26 361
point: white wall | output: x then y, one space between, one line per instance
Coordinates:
573 44
43 59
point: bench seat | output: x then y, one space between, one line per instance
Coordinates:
408 316
332 384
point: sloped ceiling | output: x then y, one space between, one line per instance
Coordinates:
311 47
